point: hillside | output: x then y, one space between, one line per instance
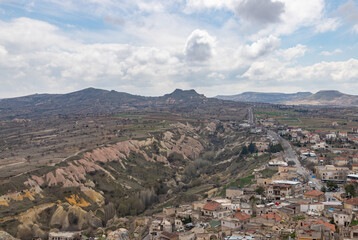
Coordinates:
327 98
94 159
321 98
153 162
265 97
93 101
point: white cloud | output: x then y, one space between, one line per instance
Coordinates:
355 28
331 75
261 47
329 24
327 53
216 75
199 46
290 53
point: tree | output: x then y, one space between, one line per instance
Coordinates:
323 189
244 150
252 148
260 190
291 163
331 184
350 190
275 148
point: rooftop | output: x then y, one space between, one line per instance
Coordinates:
211 206
314 193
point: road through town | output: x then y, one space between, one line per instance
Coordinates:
290 155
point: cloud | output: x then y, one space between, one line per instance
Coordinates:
260 11
329 24
216 75
290 53
35 56
261 47
355 28
327 53
117 21
199 46
334 75
349 11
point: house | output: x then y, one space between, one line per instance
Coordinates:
342 217
351 204
315 195
313 209
210 207
221 213
282 189
331 135
234 192
354 167
277 163
342 134
169 236
242 217
169 211
332 173
355 158
269 219
309 234
231 223
320 145
187 235
262 146
340 161
354 232
64 235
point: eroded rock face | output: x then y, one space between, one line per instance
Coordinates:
6 236
120 234
74 219
74 175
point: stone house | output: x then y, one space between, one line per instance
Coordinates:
351 204
210 207
315 195
234 192
342 217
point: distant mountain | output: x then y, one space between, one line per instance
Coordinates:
97 101
321 98
265 97
327 98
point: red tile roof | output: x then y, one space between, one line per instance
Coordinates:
211 206
242 216
352 201
329 225
314 193
270 216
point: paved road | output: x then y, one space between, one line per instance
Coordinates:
251 116
290 155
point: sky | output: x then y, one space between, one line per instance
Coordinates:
151 47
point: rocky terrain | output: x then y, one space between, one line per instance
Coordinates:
265 97
321 98
93 101
150 161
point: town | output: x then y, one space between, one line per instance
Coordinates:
310 195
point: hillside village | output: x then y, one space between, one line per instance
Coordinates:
311 195
305 191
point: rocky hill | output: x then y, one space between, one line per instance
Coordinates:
327 98
93 101
169 163
265 97
321 98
